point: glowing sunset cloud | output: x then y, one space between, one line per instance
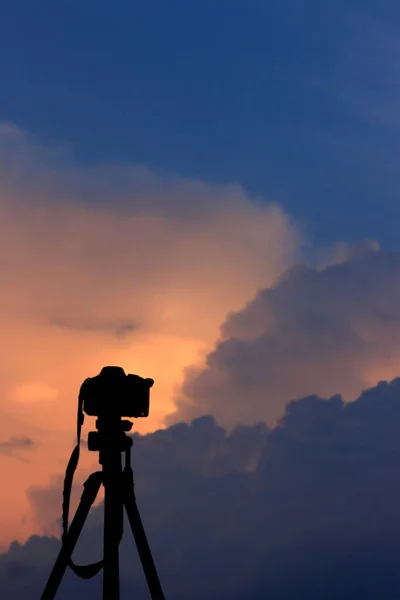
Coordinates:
112 266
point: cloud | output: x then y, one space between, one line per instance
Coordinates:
318 330
14 444
117 328
113 264
200 447
317 516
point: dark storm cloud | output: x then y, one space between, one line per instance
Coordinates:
317 330
317 517
201 447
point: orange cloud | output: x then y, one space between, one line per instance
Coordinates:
112 265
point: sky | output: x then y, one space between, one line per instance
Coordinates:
206 193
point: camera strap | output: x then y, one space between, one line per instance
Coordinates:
83 571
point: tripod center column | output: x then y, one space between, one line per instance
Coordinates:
110 432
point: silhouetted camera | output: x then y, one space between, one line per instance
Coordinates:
112 392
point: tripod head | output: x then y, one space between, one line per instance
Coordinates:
108 431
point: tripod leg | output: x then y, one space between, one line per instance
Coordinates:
113 522
139 535
91 488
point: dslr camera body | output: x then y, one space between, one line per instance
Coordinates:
115 393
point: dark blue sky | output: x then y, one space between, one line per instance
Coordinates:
297 101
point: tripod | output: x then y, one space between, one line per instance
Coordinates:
110 440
